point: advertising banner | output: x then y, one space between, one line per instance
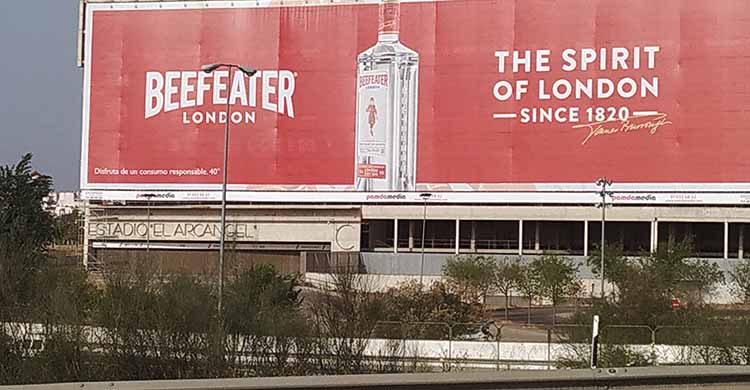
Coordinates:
374 101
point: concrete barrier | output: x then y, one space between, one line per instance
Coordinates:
706 377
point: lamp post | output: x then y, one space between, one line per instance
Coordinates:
148 224
603 182
424 197
249 72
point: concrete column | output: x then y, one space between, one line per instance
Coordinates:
670 234
86 216
395 235
740 250
656 234
411 236
726 239
303 262
473 242
458 234
585 238
536 235
654 231
520 237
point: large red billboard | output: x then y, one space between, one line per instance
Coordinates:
480 95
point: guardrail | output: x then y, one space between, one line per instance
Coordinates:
716 377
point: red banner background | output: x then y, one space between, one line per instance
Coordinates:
701 67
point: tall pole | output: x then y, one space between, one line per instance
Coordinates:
424 229
424 197
224 204
249 72
150 198
604 183
148 225
604 219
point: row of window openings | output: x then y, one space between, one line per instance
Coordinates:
539 236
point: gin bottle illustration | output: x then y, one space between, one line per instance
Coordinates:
386 128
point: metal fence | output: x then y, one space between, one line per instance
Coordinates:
443 346
450 346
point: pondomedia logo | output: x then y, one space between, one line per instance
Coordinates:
631 198
386 197
167 195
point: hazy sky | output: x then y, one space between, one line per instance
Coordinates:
40 94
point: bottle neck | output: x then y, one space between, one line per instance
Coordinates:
388 37
388 20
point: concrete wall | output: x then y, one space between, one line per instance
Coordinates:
337 226
558 213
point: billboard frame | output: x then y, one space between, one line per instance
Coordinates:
716 193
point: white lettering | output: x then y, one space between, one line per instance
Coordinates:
566 89
584 89
154 96
220 86
170 90
202 87
600 83
569 60
652 87
286 90
627 81
185 89
588 56
651 51
543 95
619 56
269 90
525 60
502 96
501 56
238 89
542 60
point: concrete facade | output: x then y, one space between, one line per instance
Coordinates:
299 233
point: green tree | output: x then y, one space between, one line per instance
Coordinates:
64 304
615 263
528 284
471 276
508 275
343 319
413 305
647 284
741 278
68 228
557 278
26 231
263 315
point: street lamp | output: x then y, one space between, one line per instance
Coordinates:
424 197
249 72
603 182
148 222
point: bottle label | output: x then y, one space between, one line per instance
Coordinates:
372 121
389 14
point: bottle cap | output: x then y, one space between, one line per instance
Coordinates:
388 17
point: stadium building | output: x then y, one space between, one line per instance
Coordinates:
388 137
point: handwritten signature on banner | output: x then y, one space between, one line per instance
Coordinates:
651 122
